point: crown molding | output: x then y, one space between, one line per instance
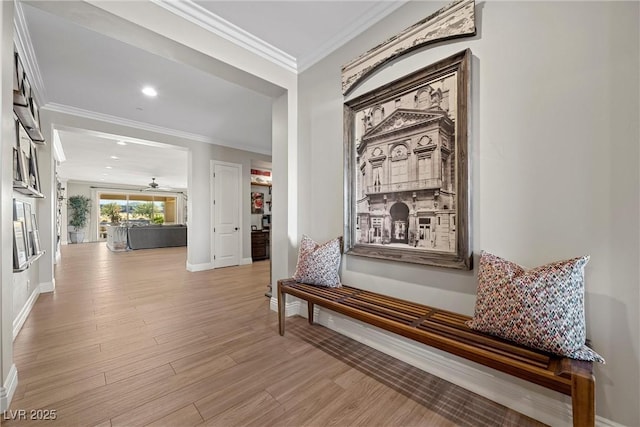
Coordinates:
93 115
27 54
58 151
206 19
354 29
120 121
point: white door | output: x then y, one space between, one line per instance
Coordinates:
227 214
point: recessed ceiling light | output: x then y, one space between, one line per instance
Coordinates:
115 157
122 143
149 91
109 167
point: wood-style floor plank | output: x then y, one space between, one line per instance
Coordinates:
133 339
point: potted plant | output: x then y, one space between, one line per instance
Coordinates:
79 208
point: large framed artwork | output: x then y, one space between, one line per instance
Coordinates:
406 168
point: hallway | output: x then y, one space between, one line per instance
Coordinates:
132 338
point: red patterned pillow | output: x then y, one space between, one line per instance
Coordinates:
541 308
318 264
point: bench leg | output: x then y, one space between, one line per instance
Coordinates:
583 400
310 312
282 302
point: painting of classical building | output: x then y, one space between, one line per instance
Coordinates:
406 169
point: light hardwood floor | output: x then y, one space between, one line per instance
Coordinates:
132 338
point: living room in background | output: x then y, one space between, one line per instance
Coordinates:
131 208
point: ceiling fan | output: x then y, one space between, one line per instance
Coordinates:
154 186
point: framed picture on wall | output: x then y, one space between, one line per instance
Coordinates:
18 210
19 245
28 226
20 173
257 202
406 168
16 166
36 242
34 174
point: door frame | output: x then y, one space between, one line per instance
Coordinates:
212 186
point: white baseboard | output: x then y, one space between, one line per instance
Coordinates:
48 286
604 422
24 313
8 388
211 266
291 309
200 267
535 401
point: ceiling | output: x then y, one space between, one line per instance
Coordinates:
94 75
101 159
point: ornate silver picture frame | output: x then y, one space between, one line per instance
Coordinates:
406 168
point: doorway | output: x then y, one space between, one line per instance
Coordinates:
399 223
227 214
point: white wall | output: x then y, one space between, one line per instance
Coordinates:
7 135
26 282
554 163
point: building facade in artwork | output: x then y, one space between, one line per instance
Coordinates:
406 179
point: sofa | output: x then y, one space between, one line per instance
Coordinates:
156 236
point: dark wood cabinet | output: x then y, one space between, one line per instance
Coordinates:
259 245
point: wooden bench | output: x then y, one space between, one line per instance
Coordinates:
447 331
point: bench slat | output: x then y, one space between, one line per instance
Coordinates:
437 321
380 311
408 307
503 348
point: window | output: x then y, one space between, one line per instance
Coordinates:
141 209
376 227
424 168
377 180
